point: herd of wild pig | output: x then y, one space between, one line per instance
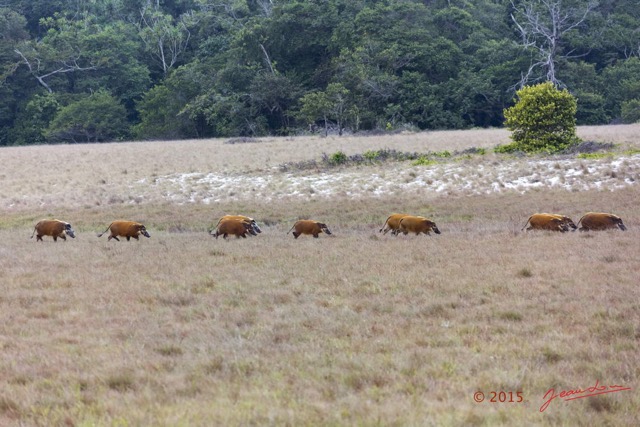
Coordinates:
240 226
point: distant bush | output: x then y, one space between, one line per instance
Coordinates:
594 155
474 150
242 140
338 158
423 161
543 120
589 147
443 154
370 155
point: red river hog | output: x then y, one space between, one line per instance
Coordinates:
392 223
234 226
126 229
54 228
601 221
566 221
252 221
550 222
307 226
417 224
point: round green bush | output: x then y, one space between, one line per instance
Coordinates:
542 120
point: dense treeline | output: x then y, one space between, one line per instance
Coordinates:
104 70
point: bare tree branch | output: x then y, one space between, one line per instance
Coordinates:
266 6
542 24
267 59
35 71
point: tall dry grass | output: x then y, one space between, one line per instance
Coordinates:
353 328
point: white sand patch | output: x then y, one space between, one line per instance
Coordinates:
453 177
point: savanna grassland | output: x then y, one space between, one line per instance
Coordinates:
353 328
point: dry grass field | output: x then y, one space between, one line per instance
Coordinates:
355 328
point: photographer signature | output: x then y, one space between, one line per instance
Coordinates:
579 393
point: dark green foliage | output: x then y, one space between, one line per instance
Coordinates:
161 109
96 118
622 83
32 122
331 106
631 111
542 120
160 118
591 108
584 83
338 158
197 68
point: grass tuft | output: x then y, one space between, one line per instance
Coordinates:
121 382
602 403
525 272
179 299
551 356
215 365
9 407
511 316
170 351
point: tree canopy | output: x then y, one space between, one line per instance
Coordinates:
219 68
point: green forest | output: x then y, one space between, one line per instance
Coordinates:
75 71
